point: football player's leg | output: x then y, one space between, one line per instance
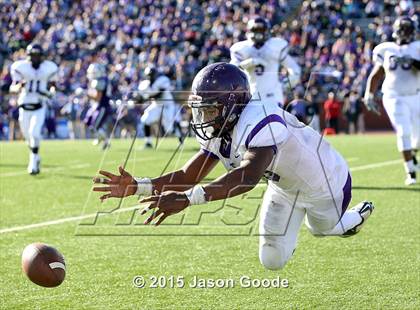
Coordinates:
99 123
168 118
414 107
24 122
280 221
330 217
35 134
35 127
151 116
24 119
398 111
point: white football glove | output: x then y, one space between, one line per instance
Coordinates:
371 105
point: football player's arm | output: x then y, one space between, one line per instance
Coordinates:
18 82
374 80
124 184
233 183
192 173
244 62
242 179
16 87
293 70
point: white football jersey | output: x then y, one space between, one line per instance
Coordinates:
400 79
304 161
162 83
264 80
36 80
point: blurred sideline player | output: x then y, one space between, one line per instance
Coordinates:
99 114
34 79
162 110
252 140
261 56
399 63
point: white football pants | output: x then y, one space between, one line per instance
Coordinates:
168 113
404 114
282 215
31 123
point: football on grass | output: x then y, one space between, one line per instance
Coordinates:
43 265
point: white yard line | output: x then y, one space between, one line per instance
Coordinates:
77 166
376 165
92 215
14 174
63 220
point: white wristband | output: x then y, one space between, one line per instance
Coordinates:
196 195
144 186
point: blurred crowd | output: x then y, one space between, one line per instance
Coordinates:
182 36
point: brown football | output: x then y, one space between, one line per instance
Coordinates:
43 265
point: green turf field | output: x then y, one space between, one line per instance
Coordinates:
377 269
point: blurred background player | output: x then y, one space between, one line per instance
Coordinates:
99 114
162 110
261 56
34 80
399 63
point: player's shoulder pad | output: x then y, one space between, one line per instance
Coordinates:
416 45
162 81
378 53
261 125
50 65
279 46
239 50
19 64
277 42
384 46
240 45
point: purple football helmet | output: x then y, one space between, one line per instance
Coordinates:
220 92
35 54
404 30
258 31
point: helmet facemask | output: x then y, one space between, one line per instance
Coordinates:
258 32
36 60
211 119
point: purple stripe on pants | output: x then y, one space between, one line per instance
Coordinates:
346 195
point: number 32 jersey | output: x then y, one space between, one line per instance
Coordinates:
36 80
401 78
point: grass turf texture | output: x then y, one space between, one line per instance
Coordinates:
376 269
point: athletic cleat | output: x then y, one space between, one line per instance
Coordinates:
148 145
106 145
365 209
411 179
36 169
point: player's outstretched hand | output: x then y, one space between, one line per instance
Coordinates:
164 205
118 186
